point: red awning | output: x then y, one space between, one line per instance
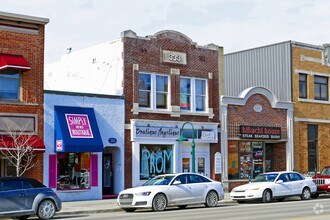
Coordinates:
7 142
13 61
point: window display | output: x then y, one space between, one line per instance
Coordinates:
258 158
73 171
155 160
247 159
233 160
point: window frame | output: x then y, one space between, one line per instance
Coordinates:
154 92
319 86
193 95
303 83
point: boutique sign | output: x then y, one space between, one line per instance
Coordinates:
260 132
156 132
79 125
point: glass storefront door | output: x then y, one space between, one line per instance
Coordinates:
200 164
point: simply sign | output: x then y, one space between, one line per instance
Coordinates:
260 132
79 126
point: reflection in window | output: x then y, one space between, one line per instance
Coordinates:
161 91
185 94
200 95
145 90
321 88
155 160
73 171
153 91
10 84
312 147
302 85
193 94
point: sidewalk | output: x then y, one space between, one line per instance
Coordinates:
100 206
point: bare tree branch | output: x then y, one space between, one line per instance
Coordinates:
20 153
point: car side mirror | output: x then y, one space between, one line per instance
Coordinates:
176 182
279 181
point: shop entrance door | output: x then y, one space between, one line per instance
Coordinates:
269 157
200 164
107 183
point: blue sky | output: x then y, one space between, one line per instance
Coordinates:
233 24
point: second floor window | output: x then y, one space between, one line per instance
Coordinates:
302 86
193 96
10 85
321 88
153 91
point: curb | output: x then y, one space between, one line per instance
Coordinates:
117 209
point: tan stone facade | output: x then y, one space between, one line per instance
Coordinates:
310 61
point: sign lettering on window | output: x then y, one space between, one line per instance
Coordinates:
155 160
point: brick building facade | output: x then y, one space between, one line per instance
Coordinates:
21 84
296 73
174 57
310 86
255 135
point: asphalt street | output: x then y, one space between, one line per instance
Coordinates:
287 210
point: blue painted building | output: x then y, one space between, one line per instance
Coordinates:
84 139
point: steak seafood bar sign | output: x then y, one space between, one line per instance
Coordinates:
260 132
79 126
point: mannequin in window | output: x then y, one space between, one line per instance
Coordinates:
76 171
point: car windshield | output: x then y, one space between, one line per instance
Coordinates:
325 171
266 177
159 180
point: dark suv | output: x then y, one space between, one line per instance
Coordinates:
21 197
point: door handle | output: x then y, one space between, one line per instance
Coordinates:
21 195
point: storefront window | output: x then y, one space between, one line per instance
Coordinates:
155 160
233 160
245 159
73 171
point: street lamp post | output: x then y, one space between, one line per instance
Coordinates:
183 138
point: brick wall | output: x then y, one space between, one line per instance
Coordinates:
279 157
309 110
245 115
31 47
147 53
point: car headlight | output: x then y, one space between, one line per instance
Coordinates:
143 194
327 181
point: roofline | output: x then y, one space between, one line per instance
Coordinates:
23 18
296 43
56 92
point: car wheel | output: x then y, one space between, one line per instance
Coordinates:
46 209
315 196
306 194
129 209
159 203
267 196
182 206
211 199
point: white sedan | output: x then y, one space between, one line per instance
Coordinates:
275 185
172 190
